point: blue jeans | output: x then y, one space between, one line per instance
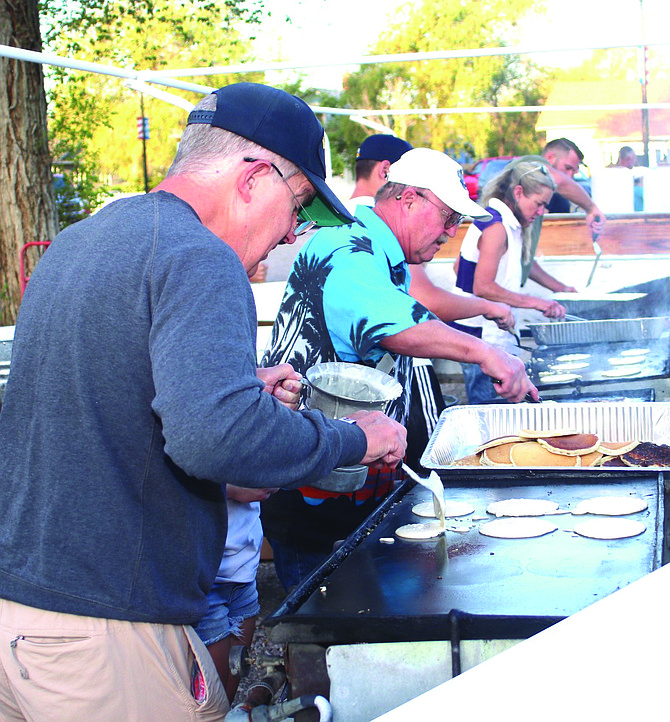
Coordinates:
230 603
294 565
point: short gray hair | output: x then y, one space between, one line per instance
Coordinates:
390 190
203 146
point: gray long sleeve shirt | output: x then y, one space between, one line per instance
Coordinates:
132 399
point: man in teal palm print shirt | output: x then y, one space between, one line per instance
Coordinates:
337 301
347 299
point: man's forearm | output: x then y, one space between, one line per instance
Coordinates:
571 190
434 339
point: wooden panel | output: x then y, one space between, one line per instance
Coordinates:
567 235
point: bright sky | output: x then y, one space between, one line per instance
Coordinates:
325 29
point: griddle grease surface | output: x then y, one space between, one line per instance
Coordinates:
393 592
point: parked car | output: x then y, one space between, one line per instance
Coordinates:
70 205
482 171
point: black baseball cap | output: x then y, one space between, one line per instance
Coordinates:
383 147
284 124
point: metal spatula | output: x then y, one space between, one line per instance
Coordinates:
598 251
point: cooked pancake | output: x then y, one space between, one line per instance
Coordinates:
616 448
530 453
471 460
612 461
497 442
611 505
517 528
522 507
570 444
498 455
648 454
609 528
591 459
544 433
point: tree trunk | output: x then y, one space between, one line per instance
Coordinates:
27 204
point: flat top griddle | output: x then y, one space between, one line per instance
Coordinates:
656 363
412 590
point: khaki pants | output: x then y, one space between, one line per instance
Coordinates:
66 668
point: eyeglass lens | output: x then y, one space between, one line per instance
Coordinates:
302 226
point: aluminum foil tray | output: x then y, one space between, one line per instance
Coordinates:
461 429
602 331
605 305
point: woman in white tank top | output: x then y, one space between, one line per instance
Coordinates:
491 258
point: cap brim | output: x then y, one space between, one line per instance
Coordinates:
472 210
326 209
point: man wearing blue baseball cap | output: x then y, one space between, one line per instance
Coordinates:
134 399
373 160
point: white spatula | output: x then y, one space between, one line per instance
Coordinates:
434 484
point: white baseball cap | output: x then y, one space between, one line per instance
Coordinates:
437 172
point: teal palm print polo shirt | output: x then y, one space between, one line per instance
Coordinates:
347 291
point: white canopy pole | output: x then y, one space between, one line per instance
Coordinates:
141 87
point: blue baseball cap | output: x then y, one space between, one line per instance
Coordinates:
284 124
383 147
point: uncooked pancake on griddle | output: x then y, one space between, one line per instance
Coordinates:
626 360
423 530
621 371
570 444
522 507
559 378
451 509
609 528
647 453
635 352
611 506
569 366
517 528
573 357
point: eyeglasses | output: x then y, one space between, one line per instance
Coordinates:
450 219
303 225
538 167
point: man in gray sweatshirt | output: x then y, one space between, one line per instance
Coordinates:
133 399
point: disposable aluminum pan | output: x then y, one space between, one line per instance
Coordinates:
605 305
559 333
461 429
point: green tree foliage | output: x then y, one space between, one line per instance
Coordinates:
435 25
93 118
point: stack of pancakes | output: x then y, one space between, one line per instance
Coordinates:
567 448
